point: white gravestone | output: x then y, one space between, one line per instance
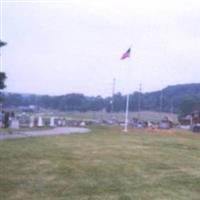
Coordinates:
59 122
40 123
52 122
63 122
14 124
82 124
31 125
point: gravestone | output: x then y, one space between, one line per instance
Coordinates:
40 122
24 121
63 122
83 124
52 122
14 124
59 122
31 125
46 121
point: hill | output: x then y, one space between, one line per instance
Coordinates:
173 98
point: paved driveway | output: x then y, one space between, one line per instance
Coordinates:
55 131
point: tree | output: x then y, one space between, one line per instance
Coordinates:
2 80
188 105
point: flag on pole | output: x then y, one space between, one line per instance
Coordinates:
126 54
2 43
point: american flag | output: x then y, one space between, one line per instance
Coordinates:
2 43
126 54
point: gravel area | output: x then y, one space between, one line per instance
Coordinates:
50 132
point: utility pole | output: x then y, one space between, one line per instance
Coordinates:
113 94
139 100
1 45
2 74
172 106
161 101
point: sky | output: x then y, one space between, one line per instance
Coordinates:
75 46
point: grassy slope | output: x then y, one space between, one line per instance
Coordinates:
144 115
104 164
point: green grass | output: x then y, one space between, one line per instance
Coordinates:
100 115
105 164
144 115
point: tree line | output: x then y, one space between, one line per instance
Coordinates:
181 99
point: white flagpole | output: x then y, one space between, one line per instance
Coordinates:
125 55
126 115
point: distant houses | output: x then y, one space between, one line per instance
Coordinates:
196 117
186 120
192 121
193 118
166 123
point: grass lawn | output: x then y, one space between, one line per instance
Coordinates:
105 164
144 115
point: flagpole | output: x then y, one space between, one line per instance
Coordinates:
113 93
126 115
139 100
124 56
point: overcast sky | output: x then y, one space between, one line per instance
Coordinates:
59 47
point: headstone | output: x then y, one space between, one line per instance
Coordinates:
31 125
82 123
46 121
59 122
1 119
24 121
14 124
52 122
63 122
40 123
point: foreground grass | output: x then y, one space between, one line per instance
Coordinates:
102 165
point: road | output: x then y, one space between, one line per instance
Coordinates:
50 132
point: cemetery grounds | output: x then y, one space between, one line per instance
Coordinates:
105 164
